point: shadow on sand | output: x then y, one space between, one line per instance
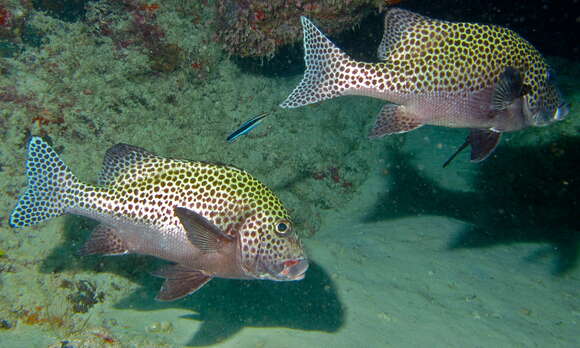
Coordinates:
227 306
223 306
524 195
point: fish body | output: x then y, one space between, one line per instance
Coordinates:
210 220
432 72
246 127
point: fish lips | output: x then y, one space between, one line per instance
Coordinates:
288 270
294 269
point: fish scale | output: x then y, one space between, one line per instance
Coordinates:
136 201
464 75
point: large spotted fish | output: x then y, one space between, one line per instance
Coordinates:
210 220
434 72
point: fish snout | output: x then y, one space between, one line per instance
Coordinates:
294 269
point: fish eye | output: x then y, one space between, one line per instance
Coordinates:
283 227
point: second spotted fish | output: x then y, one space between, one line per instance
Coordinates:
465 75
210 220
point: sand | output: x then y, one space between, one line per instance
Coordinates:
376 282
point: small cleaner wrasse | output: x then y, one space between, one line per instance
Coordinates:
211 220
432 72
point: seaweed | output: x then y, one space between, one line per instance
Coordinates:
85 297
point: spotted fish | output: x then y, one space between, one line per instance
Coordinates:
210 220
483 77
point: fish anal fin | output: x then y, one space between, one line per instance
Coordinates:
201 232
482 142
393 119
104 240
118 159
180 281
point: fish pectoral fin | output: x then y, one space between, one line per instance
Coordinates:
482 142
393 119
180 281
106 241
201 232
509 88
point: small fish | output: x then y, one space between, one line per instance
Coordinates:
463 75
210 220
246 127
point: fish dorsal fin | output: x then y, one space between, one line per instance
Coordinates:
118 159
397 21
507 89
201 232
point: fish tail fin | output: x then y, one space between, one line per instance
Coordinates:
49 180
324 63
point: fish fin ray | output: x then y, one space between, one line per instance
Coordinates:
457 152
201 232
393 119
104 240
46 194
397 21
320 82
180 281
507 89
482 142
118 159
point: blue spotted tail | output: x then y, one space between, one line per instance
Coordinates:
49 183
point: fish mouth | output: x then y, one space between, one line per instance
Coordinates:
293 269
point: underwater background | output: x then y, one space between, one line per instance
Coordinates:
403 252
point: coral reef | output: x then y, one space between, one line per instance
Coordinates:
85 296
249 28
13 15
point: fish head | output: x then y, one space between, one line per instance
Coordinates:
270 247
544 104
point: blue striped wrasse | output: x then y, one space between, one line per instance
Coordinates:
246 127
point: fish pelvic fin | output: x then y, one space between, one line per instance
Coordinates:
49 182
482 142
323 60
393 119
180 281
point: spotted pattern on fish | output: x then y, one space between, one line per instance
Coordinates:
142 189
423 56
434 55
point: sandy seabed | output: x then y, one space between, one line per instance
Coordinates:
378 279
